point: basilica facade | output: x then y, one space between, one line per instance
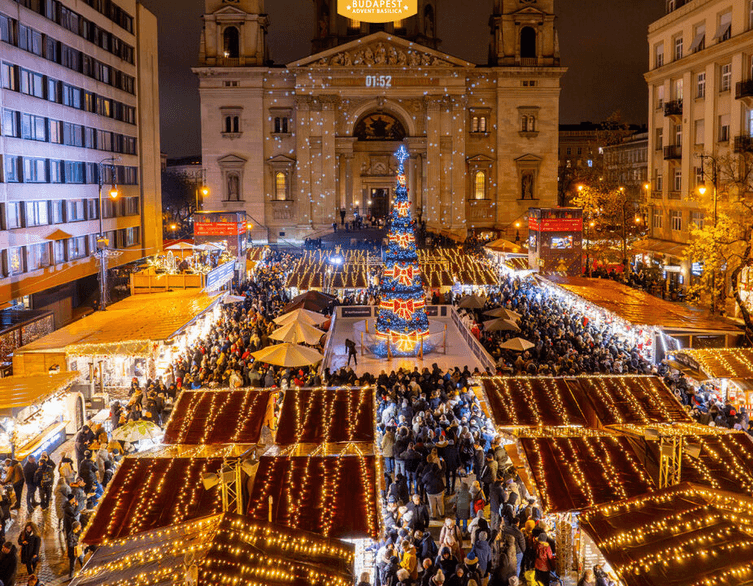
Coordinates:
297 146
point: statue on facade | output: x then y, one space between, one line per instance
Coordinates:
233 187
527 185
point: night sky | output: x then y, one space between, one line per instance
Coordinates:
602 43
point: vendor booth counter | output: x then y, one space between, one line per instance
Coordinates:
37 413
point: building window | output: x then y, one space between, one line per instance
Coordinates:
37 213
58 251
725 78
701 85
678 89
659 139
528 124
659 55
16 260
697 219
678 48
527 43
39 256
14 218
659 97
678 134
700 129
659 182
724 128
699 176
232 125
658 218
699 39
231 42
35 170
474 124
281 125
76 210
676 220
77 247
281 186
479 188
678 180
11 126
723 33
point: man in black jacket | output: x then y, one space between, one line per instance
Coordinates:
520 541
8 563
30 472
420 512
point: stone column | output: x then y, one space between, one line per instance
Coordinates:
432 206
303 168
349 182
459 167
329 162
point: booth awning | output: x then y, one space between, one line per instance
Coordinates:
502 245
18 392
734 363
664 247
130 326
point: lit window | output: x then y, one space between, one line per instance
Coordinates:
281 186
480 185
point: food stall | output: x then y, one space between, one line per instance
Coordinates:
37 412
137 337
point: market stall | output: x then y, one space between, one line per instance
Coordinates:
654 326
37 412
159 488
686 535
728 370
137 337
327 415
447 268
221 549
217 416
328 489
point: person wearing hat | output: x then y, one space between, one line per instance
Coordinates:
409 560
471 568
457 578
544 562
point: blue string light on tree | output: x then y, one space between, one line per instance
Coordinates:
402 321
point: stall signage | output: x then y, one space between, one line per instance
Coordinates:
49 444
356 311
219 228
696 269
556 225
219 276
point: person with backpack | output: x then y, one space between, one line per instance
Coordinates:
45 478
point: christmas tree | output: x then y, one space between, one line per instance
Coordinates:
402 322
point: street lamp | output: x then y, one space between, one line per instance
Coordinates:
517 232
102 242
588 247
702 191
204 190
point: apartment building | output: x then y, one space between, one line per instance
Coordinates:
700 99
80 111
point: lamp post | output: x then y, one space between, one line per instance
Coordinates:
591 224
102 242
204 190
517 232
702 191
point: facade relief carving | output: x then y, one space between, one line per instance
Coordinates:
381 55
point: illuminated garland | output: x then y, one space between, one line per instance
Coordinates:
402 321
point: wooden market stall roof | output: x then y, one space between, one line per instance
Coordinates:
531 402
156 489
584 401
732 363
18 392
226 549
334 495
639 307
217 416
132 325
327 415
685 535
577 471
628 400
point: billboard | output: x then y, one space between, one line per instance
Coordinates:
377 10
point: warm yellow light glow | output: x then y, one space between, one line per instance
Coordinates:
114 193
592 224
205 191
580 188
702 190
517 224
173 227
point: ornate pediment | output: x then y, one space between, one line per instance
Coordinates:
381 50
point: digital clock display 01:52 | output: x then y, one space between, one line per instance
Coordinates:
380 81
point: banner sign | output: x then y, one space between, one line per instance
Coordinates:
555 225
356 311
219 228
219 276
377 10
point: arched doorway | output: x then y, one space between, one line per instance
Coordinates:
378 134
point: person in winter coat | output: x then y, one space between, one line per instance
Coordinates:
8 563
426 549
15 476
520 542
409 561
403 578
30 540
483 553
462 500
420 514
507 562
445 561
45 478
544 562
365 580
399 490
388 450
65 468
434 486
60 496
73 549
457 578
452 463
30 476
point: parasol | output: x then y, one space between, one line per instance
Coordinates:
301 315
180 246
135 431
503 313
501 325
472 302
298 332
311 300
288 355
517 345
233 299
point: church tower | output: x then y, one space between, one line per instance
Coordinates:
234 35
333 30
523 34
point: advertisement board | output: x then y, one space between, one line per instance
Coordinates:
377 10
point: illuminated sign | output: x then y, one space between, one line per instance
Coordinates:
377 10
219 228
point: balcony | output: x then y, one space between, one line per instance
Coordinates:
673 108
529 61
673 5
743 144
675 195
672 152
744 89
